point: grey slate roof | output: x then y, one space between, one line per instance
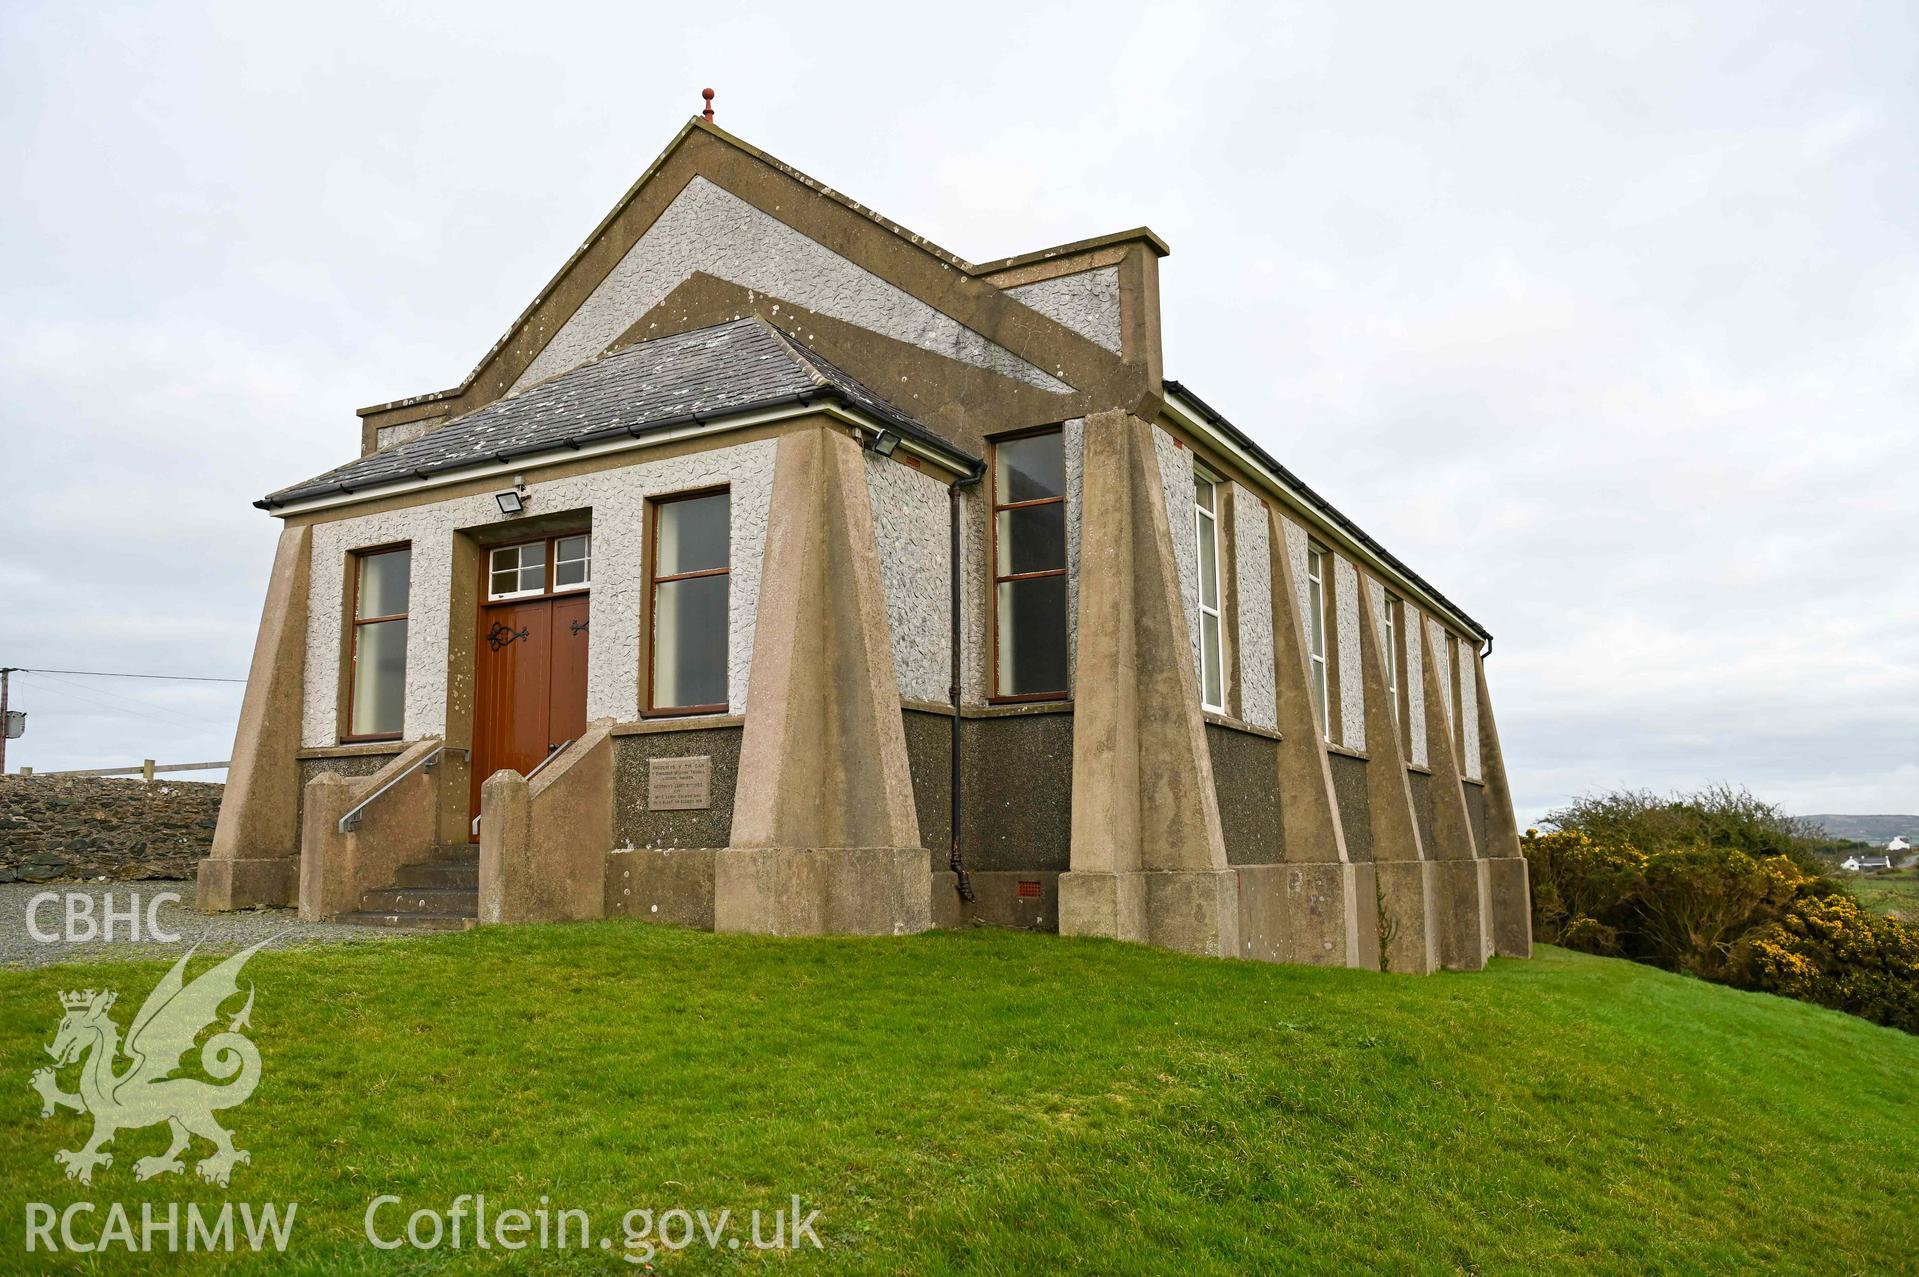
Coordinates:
709 373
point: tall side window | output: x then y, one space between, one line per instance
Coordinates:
1316 634
1029 567
1450 654
689 572
376 697
1212 677
1393 653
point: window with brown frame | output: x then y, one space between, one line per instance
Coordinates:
689 564
1029 567
376 697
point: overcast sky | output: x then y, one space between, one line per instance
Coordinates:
1604 317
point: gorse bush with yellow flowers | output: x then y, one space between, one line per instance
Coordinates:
1717 886
1828 949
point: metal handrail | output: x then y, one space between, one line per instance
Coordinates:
539 767
351 821
556 751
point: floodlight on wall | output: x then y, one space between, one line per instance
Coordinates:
883 443
511 502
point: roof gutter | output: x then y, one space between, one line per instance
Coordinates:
1194 414
825 401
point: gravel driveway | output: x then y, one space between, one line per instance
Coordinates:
212 931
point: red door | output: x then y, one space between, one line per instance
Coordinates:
530 682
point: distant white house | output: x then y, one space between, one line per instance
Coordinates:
1868 862
1898 844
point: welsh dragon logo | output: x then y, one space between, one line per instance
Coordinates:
144 1092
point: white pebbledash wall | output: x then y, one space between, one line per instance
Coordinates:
407 432
1469 709
1415 683
1074 441
1344 600
1176 478
1253 576
1437 633
911 525
709 229
1087 303
617 500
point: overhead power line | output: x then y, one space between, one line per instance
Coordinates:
108 701
173 678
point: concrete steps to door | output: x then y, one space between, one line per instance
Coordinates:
406 921
441 894
464 874
453 900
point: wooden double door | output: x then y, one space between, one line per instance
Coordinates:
530 682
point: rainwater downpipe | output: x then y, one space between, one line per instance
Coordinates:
954 859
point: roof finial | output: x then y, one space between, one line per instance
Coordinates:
708 113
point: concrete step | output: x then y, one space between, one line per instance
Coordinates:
408 921
460 901
440 873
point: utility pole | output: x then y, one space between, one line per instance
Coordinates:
6 673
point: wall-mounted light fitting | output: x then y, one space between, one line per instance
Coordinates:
513 502
883 443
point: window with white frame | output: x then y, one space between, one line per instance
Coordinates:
523 571
1316 634
516 570
1212 676
1392 653
573 562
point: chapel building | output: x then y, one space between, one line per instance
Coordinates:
779 571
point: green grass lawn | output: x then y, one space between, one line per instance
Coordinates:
1896 892
1009 1103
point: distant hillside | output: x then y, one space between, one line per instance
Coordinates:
1868 828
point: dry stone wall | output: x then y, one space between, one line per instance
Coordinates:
55 828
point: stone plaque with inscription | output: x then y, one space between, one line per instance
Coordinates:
679 784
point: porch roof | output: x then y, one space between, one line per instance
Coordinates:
729 369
